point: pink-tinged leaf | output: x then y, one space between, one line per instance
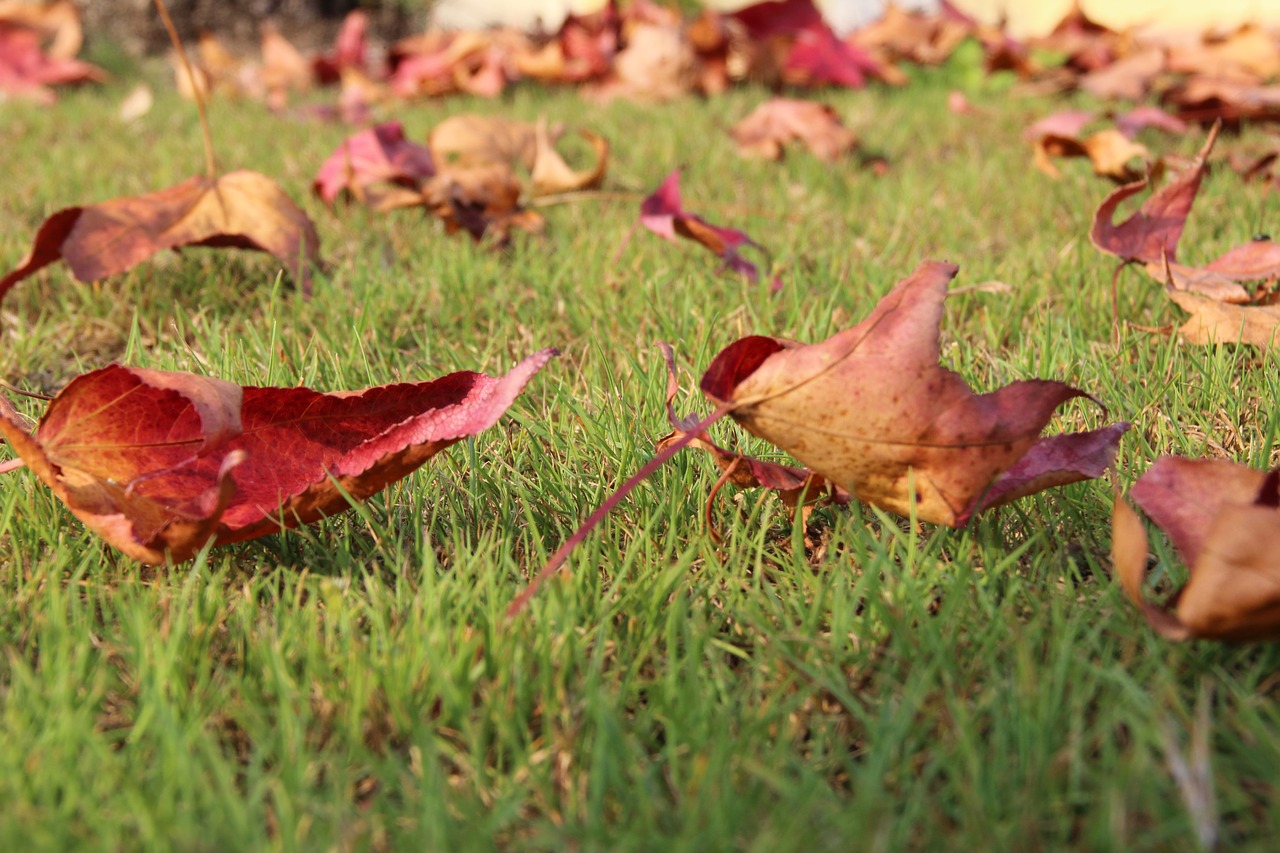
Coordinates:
349 49
1140 118
27 72
1064 123
160 464
1224 520
819 57
871 409
379 155
664 215
1151 234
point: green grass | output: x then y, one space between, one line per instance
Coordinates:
354 685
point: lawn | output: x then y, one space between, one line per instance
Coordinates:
862 684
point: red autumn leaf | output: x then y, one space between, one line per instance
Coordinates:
370 158
1224 520
1223 309
663 214
27 71
159 464
241 209
773 124
871 410
349 49
815 55
1151 234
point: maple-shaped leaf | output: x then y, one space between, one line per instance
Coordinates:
1223 307
873 414
1224 520
241 209
770 126
372 158
1151 234
159 464
873 411
664 215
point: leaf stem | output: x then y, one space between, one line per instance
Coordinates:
210 164
558 559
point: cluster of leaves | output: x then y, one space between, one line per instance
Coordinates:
38 45
164 464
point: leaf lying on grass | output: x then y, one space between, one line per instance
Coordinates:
872 412
663 213
1223 308
241 209
770 126
1224 520
159 463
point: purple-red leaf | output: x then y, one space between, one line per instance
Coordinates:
664 215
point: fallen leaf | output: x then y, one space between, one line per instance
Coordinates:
663 214
160 464
350 50
770 126
372 158
1127 79
1134 121
1223 519
1062 123
283 68
136 104
483 200
658 64
1151 234
871 410
813 53
1109 150
57 22
1213 321
241 209
27 71
470 140
551 175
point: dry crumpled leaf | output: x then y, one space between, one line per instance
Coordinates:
159 464
871 410
241 209
1224 520
1150 236
1109 150
770 126
664 215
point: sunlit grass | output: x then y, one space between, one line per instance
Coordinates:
860 685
